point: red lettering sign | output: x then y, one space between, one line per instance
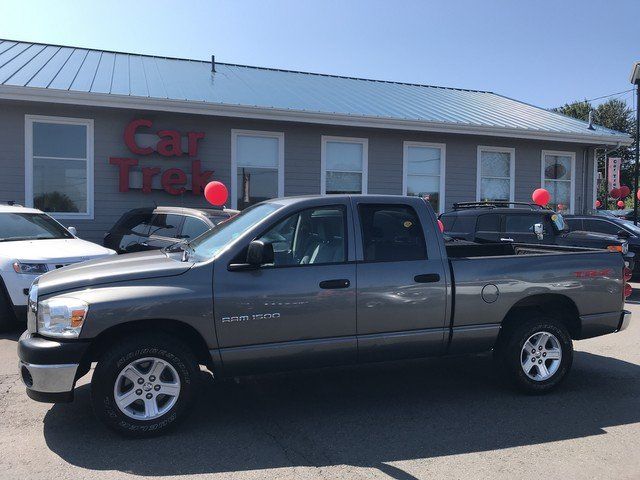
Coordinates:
130 137
173 180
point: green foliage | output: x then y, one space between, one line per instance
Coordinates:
54 202
615 115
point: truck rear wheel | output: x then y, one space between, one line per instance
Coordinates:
537 354
145 385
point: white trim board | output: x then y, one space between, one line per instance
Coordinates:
323 159
28 162
443 163
512 169
234 160
35 94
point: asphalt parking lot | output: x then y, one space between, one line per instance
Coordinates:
445 418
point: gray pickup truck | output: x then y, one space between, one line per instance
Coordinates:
309 282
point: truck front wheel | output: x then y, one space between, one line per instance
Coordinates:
536 354
144 386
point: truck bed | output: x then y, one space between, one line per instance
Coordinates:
489 279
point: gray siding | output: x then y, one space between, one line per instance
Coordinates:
302 158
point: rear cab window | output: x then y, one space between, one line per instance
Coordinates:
193 227
165 225
391 233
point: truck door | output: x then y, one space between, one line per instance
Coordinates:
402 289
488 228
299 311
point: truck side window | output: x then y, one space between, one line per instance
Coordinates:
488 223
523 223
601 226
391 233
312 236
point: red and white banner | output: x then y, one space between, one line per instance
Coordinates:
614 173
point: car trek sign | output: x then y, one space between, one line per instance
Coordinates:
174 181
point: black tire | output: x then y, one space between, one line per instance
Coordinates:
116 359
8 320
509 353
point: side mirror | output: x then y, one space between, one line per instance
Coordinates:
259 253
538 229
623 234
72 231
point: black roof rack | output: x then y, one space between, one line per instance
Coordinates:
495 204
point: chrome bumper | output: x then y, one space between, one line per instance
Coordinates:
48 378
624 321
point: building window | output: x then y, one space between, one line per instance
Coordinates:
496 174
59 165
558 178
423 172
343 165
257 162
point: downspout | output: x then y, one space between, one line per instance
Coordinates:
585 164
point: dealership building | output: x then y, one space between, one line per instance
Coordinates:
89 134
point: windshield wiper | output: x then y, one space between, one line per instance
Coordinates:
17 239
184 247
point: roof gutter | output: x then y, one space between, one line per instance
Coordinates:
34 94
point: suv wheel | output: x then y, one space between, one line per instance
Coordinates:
144 386
537 354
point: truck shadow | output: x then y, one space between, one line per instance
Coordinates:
361 416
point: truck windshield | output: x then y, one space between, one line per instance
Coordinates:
30 226
209 244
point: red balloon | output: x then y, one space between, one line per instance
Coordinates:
598 203
216 193
441 225
541 196
615 193
624 191
620 204
638 194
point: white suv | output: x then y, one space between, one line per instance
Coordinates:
33 243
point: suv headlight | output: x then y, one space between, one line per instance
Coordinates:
61 317
30 268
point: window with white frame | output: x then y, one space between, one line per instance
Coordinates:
423 172
558 177
343 165
496 174
59 165
257 160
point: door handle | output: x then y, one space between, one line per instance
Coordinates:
332 284
427 278
506 239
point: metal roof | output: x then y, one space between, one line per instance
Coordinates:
96 77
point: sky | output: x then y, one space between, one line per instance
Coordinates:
543 52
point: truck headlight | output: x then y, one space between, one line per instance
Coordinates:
30 268
61 317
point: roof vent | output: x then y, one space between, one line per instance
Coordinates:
213 63
591 127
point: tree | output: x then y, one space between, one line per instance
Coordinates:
615 115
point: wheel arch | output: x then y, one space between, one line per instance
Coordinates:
175 328
552 304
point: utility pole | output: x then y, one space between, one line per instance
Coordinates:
635 172
635 79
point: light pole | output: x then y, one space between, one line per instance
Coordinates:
635 79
